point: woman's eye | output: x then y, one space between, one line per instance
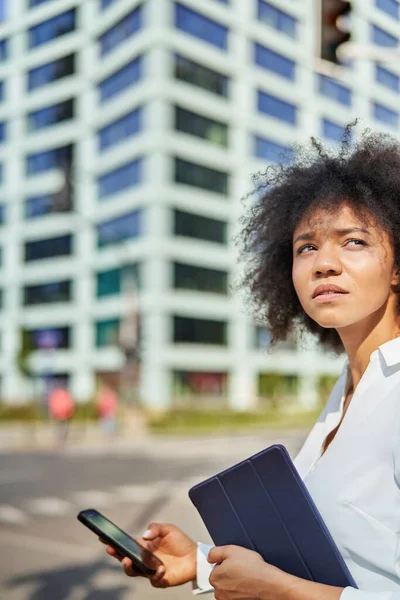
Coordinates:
300 250
357 241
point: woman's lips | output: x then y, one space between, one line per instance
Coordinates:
326 298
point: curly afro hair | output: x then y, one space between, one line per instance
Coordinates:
364 175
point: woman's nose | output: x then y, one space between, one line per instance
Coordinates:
326 261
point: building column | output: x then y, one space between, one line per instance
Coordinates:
308 397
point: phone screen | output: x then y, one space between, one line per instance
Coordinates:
111 533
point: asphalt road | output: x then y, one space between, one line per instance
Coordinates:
46 554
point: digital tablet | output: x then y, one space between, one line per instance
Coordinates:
262 504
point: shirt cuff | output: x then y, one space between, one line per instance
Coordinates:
203 572
350 593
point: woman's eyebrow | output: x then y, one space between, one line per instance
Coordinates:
310 235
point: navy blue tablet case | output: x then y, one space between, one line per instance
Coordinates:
262 504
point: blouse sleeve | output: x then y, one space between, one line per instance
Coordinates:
204 568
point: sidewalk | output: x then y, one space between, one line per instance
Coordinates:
40 436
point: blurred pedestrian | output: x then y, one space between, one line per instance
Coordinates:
61 409
107 408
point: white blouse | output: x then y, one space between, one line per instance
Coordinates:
355 483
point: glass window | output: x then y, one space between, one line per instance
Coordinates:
196 389
2 213
188 330
202 127
385 115
200 279
44 204
1 174
33 3
331 130
3 131
276 18
117 230
195 74
111 282
39 338
3 10
50 248
107 333
277 108
380 37
200 228
391 7
272 61
3 50
123 30
202 177
51 115
387 78
272 151
123 128
2 89
334 90
48 293
106 3
48 160
52 71
199 26
120 179
121 80
52 28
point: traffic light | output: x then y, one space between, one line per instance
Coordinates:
335 28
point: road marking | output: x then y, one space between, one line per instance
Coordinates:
10 514
28 542
49 506
90 498
136 493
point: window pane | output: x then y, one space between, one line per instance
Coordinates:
48 160
199 26
38 206
332 131
121 80
115 231
195 74
201 279
51 115
271 151
50 248
107 333
277 108
122 31
201 228
120 179
199 331
52 28
120 130
56 337
332 89
3 50
387 78
391 7
47 293
201 177
110 282
57 69
272 61
278 19
3 211
382 38
386 115
106 3
3 131
33 3
199 126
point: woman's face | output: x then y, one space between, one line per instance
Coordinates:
340 249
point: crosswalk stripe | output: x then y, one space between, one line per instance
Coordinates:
136 493
12 515
90 498
49 506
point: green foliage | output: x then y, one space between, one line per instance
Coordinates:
24 352
186 422
28 413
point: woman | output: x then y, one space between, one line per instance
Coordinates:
323 256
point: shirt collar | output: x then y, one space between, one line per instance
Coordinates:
390 351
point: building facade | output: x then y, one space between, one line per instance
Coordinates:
129 131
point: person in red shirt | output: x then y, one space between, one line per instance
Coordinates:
61 409
107 406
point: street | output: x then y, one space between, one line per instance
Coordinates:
46 554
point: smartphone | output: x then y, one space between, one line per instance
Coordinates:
124 544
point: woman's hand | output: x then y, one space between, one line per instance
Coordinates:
174 548
242 574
